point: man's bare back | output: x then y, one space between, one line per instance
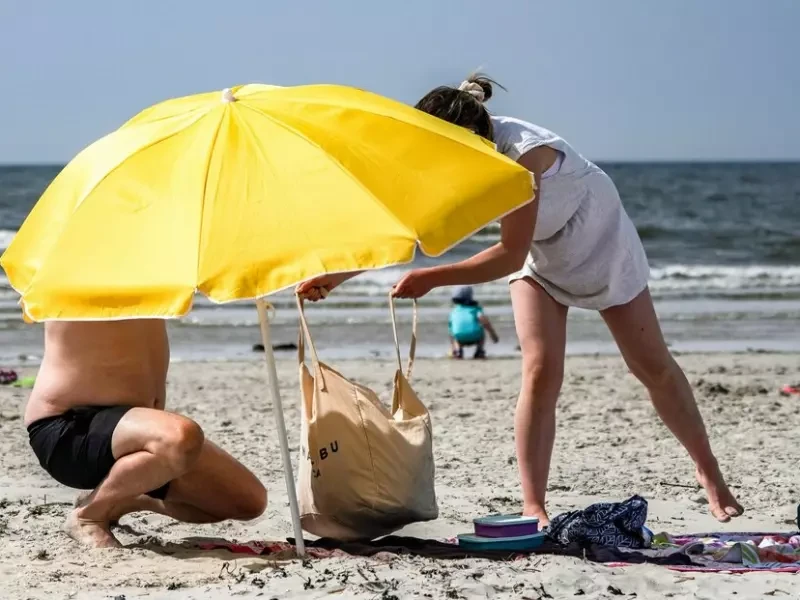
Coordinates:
104 363
96 421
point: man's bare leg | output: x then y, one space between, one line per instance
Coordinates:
152 447
541 325
216 488
144 503
638 334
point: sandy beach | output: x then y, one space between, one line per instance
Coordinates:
610 445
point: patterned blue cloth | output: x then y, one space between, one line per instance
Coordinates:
616 525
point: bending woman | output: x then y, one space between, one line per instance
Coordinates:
573 246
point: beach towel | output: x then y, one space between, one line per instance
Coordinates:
365 471
389 545
735 552
442 549
614 525
703 552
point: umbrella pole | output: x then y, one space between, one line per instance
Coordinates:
272 376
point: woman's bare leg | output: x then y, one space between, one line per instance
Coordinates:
541 325
638 334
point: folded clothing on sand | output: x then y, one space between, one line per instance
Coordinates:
7 376
610 524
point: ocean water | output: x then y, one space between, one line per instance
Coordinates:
723 242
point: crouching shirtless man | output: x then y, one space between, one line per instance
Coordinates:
97 422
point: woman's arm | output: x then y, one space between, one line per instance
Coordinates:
500 260
504 258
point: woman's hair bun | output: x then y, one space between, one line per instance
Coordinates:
484 82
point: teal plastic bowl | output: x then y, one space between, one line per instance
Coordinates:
470 541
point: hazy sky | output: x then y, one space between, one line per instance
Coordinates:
620 79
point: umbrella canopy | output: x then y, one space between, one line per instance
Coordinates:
243 193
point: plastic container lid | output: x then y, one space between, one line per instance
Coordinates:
514 525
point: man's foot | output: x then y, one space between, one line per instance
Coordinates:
83 498
538 512
479 354
721 501
89 533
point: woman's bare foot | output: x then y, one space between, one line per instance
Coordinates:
721 501
89 533
538 512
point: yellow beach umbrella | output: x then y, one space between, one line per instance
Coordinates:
240 194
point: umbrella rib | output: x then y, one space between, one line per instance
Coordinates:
254 140
127 157
140 118
203 202
335 161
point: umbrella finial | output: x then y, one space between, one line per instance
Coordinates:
227 95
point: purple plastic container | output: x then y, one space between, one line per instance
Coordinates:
497 526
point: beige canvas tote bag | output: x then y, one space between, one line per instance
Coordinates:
365 471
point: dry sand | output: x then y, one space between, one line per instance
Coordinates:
610 445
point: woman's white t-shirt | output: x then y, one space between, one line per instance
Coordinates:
586 251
